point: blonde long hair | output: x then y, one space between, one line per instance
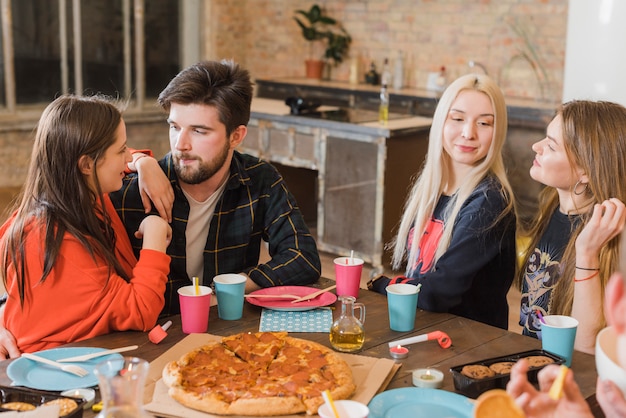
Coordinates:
594 139
435 175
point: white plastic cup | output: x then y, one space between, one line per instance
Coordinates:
345 409
607 361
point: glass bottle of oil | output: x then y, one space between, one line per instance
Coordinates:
383 108
347 333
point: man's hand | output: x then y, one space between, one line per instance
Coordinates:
154 187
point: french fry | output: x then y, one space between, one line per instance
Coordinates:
556 390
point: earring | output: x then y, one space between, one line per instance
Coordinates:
582 191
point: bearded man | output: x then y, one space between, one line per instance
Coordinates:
221 204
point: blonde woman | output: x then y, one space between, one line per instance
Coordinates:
457 234
574 247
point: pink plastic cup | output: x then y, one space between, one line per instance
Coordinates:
194 309
348 275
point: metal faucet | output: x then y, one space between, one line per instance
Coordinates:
473 64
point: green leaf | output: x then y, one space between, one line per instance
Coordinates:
315 13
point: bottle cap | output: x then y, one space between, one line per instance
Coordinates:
158 333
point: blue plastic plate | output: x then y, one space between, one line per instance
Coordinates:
34 375
419 402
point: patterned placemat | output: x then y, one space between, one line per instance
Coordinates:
314 320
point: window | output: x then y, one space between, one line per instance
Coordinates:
87 46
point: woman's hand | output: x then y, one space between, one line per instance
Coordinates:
607 220
154 187
155 232
537 403
8 345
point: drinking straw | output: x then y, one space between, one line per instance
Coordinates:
538 312
195 285
352 257
329 401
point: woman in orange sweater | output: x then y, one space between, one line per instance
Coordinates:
66 261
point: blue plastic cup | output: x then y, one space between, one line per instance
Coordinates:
402 305
230 289
558 334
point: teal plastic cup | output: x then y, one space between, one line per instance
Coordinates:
402 306
229 290
558 334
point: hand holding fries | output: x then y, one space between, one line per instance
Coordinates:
558 394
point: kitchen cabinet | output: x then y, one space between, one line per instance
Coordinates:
363 171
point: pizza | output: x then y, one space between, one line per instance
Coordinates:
258 374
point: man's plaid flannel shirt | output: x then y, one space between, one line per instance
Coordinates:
255 206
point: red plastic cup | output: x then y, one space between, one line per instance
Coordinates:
348 276
194 309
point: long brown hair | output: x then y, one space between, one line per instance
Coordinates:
56 195
594 139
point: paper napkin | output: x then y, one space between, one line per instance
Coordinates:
314 320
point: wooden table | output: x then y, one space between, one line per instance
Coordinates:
471 341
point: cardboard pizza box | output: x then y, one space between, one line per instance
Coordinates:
371 376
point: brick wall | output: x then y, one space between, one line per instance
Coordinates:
521 42
16 143
262 36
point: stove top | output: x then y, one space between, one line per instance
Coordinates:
348 115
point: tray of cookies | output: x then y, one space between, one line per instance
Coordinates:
20 399
474 378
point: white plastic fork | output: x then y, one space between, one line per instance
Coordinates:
270 296
87 357
314 294
69 368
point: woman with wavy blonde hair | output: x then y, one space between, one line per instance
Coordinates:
574 239
457 233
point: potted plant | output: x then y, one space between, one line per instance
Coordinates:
317 27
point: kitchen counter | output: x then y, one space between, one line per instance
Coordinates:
398 124
522 112
354 175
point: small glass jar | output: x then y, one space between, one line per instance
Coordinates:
121 382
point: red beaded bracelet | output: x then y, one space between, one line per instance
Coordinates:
595 273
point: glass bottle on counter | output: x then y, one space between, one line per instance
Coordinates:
347 333
441 79
383 109
121 382
398 76
385 77
372 77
